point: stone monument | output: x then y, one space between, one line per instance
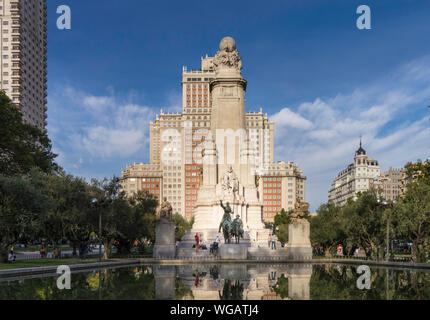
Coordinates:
228 159
165 246
299 244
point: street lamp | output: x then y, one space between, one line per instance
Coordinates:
389 254
95 203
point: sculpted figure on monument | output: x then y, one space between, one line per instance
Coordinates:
237 228
230 184
228 56
299 211
225 224
166 210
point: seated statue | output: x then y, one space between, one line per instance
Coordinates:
299 210
166 210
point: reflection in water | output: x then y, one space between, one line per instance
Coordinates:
224 282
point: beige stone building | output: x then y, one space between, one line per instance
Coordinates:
392 183
280 184
23 74
360 176
177 142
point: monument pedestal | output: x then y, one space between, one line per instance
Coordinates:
299 244
165 246
233 251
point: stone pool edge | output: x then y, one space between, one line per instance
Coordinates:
83 266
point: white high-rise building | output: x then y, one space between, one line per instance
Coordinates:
360 176
23 57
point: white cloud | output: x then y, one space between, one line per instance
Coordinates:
286 117
321 136
89 130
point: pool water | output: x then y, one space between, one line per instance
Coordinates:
227 282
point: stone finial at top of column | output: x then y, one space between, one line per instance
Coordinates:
227 58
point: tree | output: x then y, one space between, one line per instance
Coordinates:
22 146
364 222
67 217
182 225
123 220
280 225
327 228
412 217
21 204
140 223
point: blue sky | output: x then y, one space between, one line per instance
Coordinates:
321 79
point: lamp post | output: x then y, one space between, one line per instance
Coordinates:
384 204
96 204
389 243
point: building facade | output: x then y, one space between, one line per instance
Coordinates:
177 143
392 184
23 64
360 176
280 185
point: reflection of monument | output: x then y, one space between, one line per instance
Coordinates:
165 246
165 277
245 281
299 278
299 245
228 159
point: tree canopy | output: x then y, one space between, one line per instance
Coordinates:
22 146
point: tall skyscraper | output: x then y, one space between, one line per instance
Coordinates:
23 57
177 141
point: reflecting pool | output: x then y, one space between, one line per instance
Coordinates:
227 282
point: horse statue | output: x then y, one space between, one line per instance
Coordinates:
237 229
226 224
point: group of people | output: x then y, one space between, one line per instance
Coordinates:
199 244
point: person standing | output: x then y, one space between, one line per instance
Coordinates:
43 250
269 241
273 242
196 239
12 255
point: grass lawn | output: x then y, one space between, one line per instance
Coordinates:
31 263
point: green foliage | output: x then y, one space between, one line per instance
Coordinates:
280 225
359 223
21 204
411 215
123 220
182 225
364 222
326 228
22 146
281 287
